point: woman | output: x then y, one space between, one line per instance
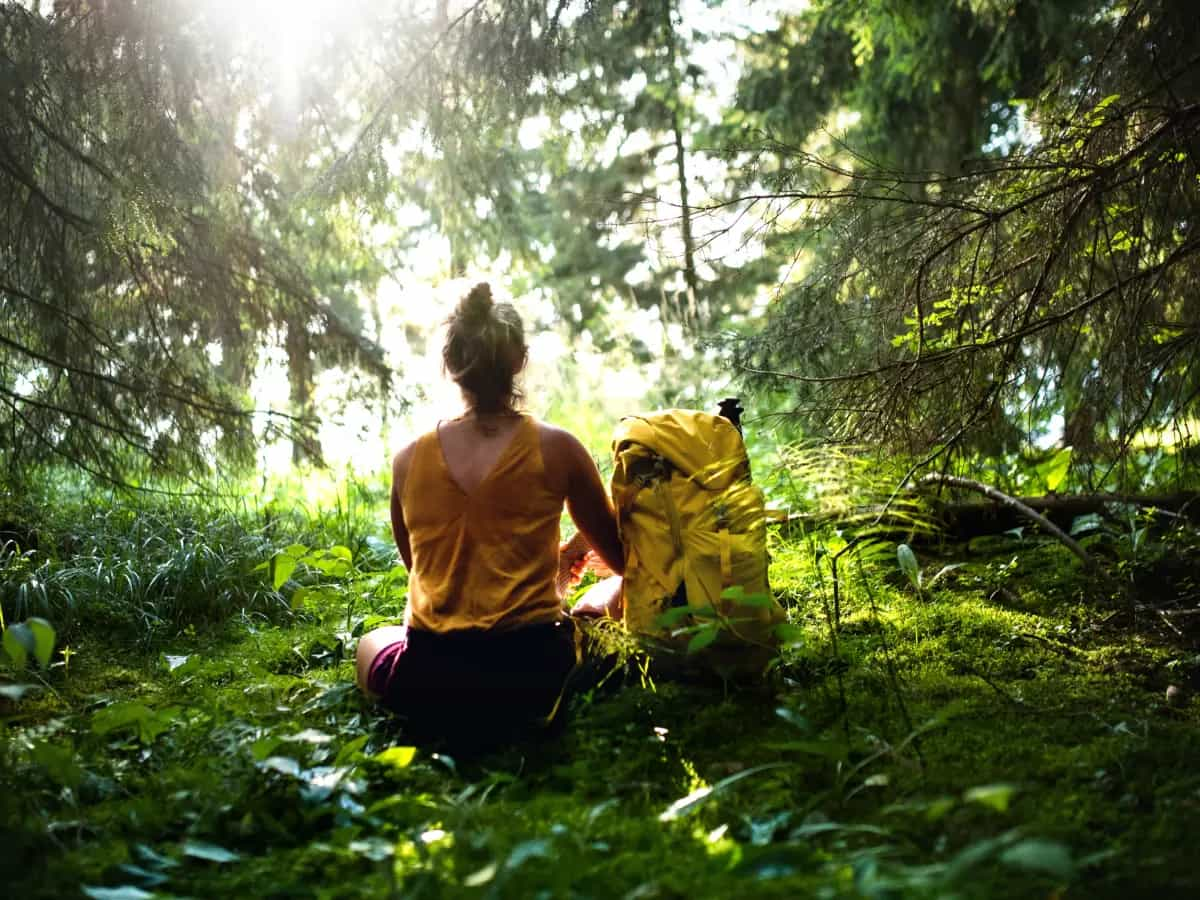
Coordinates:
475 509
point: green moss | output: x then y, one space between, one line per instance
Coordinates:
266 752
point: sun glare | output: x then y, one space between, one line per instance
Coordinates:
283 33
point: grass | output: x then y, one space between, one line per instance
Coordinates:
1004 734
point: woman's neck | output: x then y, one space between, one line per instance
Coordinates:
488 422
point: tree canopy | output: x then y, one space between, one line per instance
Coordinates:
947 227
955 299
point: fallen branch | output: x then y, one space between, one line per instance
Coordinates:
973 519
1000 497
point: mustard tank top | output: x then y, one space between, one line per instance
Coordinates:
485 558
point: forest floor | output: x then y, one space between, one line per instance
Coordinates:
1006 734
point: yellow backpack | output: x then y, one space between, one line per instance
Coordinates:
694 533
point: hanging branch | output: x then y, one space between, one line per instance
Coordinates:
937 304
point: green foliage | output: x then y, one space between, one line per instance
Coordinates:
247 757
154 567
930 82
32 639
150 247
146 724
956 297
1003 735
1056 469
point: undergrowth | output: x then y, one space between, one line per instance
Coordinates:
1006 731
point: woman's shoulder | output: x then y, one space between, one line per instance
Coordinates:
402 459
549 432
558 441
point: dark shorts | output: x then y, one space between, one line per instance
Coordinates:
468 683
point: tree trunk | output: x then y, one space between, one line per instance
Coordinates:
685 216
385 383
306 446
237 354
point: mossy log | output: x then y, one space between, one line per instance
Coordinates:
965 519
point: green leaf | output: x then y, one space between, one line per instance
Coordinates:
1055 471
703 638
789 635
146 723
677 614
814 828
374 848
793 717
908 564
210 852
974 854
327 563
264 746
309 736
685 805
944 570
19 644
996 796
181 666
283 568
1086 522
939 806
481 876
15 692
299 597
117 716
284 765
1050 857
152 858
58 762
396 757
537 848
125 892
832 750
351 749
146 877
43 640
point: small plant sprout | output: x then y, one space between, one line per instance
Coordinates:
912 570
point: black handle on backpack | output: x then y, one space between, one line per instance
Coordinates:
731 409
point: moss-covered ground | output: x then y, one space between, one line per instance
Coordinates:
1007 733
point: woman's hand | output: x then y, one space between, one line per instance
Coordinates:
572 562
594 564
604 598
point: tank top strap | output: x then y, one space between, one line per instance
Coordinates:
426 461
528 434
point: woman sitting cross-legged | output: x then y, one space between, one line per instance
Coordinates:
475 505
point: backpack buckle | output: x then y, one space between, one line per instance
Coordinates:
722 513
649 470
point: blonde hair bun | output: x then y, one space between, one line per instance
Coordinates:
477 305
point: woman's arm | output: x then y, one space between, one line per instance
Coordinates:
400 465
588 504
